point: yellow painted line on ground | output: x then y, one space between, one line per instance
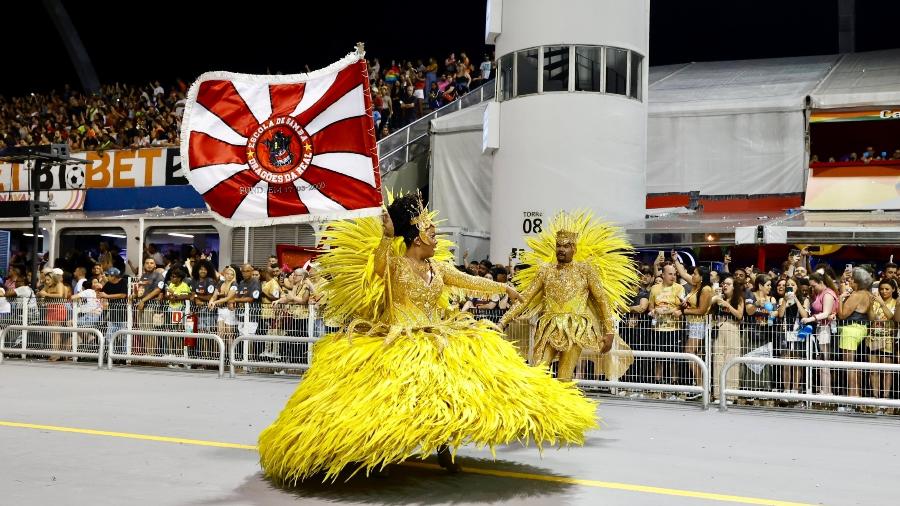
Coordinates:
128 435
611 485
619 486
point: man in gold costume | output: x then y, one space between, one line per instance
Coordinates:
570 295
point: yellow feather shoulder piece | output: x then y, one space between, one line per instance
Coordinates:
598 243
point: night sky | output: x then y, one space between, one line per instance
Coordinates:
139 41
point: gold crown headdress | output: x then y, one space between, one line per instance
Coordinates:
423 220
566 237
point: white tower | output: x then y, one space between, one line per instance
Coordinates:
572 100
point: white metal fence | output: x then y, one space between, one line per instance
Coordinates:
755 361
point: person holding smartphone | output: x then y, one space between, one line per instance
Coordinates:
728 311
792 307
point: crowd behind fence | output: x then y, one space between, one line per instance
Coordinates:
278 339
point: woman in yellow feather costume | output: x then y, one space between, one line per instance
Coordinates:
408 376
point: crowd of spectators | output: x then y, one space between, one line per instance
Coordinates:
403 90
142 115
118 116
795 310
870 154
267 299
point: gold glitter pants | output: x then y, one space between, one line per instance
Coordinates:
567 361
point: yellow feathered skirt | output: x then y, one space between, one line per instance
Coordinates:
365 404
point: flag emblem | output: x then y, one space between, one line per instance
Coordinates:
280 149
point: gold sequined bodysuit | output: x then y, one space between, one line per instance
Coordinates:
575 308
415 302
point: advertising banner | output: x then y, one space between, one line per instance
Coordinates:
125 168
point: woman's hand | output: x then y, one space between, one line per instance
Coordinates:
512 294
387 224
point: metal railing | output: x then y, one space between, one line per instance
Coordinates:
831 364
24 350
664 355
169 359
245 360
764 361
403 145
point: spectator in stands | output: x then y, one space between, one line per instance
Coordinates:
176 292
79 280
98 274
150 315
435 97
271 291
854 311
890 271
296 298
444 83
450 64
408 109
882 336
759 305
115 293
665 307
247 302
54 295
695 307
88 309
222 302
463 79
792 307
869 154
387 109
896 154
317 298
204 288
485 68
823 309
10 282
729 311
633 327
431 73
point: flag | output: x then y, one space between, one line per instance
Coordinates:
267 149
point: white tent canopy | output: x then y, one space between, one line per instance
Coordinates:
860 80
731 127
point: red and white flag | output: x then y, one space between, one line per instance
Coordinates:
283 149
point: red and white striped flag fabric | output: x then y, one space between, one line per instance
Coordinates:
283 149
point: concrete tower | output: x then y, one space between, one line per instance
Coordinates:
571 113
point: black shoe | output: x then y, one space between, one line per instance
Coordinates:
445 459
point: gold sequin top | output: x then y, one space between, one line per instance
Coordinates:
570 293
415 301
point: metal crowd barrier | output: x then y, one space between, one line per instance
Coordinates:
24 350
833 364
702 390
234 360
170 359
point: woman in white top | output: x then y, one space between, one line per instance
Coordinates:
222 300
